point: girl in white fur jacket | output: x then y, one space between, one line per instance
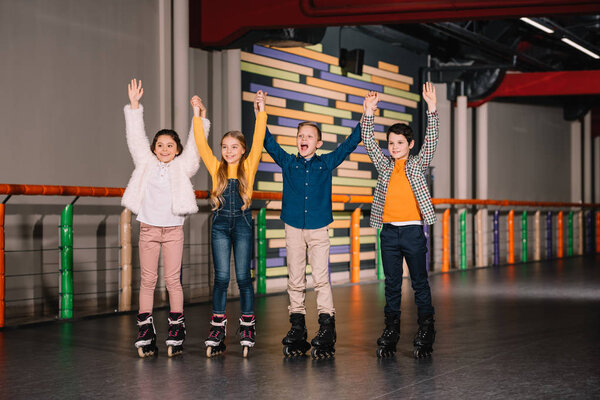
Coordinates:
161 194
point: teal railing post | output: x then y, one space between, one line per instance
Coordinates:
380 274
570 235
66 263
463 239
524 236
261 237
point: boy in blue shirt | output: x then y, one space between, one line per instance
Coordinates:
306 212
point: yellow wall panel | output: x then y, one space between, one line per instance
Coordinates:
388 82
273 63
352 173
340 189
386 74
388 67
272 101
336 86
301 115
315 55
359 157
397 100
282 130
357 108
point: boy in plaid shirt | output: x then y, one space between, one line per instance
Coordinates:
401 205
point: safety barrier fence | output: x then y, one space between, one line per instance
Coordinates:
479 209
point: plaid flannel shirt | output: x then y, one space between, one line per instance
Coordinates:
415 168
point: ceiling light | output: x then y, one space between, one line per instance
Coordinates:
537 25
580 48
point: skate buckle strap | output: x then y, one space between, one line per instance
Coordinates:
148 320
213 334
244 323
177 321
217 323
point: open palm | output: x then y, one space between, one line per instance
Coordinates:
135 91
429 95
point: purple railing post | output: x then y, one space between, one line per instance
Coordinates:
496 238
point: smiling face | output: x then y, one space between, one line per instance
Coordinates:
398 146
232 150
165 148
308 141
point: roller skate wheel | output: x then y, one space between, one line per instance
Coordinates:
286 351
141 352
245 351
379 352
208 352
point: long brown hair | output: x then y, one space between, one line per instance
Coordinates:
216 195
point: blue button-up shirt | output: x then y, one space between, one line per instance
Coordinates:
307 183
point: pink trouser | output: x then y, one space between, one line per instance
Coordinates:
297 241
152 238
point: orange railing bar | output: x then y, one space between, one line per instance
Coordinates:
559 233
91 191
446 241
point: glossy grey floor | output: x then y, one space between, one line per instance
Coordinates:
511 332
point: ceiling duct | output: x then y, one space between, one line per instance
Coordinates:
288 37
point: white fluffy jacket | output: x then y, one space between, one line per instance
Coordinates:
181 169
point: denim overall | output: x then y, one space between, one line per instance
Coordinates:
232 226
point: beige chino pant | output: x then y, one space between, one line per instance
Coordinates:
297 241
152 238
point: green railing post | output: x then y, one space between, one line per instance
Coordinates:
261 237
524 236
463 239
66 263
570 235
380 274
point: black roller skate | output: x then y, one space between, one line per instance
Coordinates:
146 338
215 342
247 333
176 334
425 337
323 343
295 344
389 338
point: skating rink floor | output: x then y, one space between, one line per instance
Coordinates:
528 331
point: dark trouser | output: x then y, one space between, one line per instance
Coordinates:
398 242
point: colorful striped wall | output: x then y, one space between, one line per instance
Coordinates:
306 84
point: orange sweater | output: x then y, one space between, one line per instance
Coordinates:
400 202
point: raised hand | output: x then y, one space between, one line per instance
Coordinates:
429 96
370 103
198 106
135 91
259 101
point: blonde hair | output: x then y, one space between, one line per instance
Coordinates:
216 195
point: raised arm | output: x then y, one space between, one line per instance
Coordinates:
190 158
432 132
137 141
367 129
260 127
204 150
336 157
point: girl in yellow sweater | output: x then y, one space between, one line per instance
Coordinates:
232 225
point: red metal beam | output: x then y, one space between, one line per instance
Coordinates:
560 83
218 23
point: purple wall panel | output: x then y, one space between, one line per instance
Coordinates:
282 55
328 76
289 94
268 167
